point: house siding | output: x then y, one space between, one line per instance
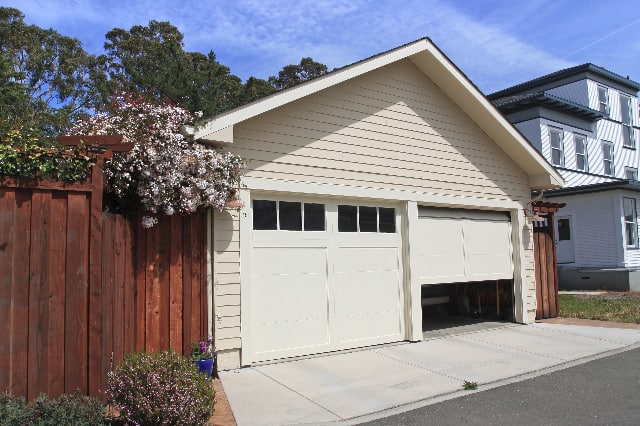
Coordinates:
226 286
596 228
578 92
390 129
530 129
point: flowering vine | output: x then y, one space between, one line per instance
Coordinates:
165 172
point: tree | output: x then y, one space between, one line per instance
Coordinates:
292 75
52 70
151 60
253 89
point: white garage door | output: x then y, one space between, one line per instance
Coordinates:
463 245
325 276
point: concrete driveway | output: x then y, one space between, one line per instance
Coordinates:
360 385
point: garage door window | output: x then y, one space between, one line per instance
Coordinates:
288 216
366 219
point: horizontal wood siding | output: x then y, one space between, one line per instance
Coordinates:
597 229
392 129
226 266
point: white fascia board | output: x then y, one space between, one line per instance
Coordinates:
308 88
469 98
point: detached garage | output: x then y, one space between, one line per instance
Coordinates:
362 186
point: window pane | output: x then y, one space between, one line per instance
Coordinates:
347 218
387 218
556 158
624 109
603 100
313 217
627 134
579 142
264 215
631 226
290 216
564 230
631 173
368 219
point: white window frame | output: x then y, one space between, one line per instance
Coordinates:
607 148
557 149
628 136
603 104
631 173
577 141
630 222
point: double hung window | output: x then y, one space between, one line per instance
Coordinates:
626 111
557 149
607 158
603 100
580 143
630 222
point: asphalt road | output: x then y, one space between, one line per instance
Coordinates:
605 391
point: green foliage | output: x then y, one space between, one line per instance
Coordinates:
292 75
49 75
22 156
12 410
467 385
151 60
162 388
68 409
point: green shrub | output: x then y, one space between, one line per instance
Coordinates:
68 409
12 410
162 388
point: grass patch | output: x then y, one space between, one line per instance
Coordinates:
467 385
619 307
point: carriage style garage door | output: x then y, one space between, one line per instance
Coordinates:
459 245
325 275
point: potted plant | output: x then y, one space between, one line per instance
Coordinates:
203 354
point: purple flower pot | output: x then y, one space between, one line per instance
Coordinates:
205 366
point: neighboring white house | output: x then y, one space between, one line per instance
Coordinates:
363 185
584 120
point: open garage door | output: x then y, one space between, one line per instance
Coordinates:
457 246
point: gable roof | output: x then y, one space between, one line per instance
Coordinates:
439 69
533 85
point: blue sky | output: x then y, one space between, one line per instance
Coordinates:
495 43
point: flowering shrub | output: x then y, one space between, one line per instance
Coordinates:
203 349
165 172
160 388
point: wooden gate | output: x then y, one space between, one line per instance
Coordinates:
546 267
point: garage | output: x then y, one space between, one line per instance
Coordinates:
325 275
465 261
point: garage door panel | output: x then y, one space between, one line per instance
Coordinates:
288 336
462 246
288 260
280 298
364 259
369 328
358 292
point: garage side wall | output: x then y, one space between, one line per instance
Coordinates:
226 287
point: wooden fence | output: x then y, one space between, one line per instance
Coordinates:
80 288
546 267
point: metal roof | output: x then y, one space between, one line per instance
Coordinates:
511 104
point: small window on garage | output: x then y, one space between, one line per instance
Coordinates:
314 217
265 215
387 218
368 219
347 218
290 216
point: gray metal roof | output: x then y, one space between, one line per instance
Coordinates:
511 104
632 185
568 72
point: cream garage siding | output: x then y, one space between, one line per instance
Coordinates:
458 245
325 275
